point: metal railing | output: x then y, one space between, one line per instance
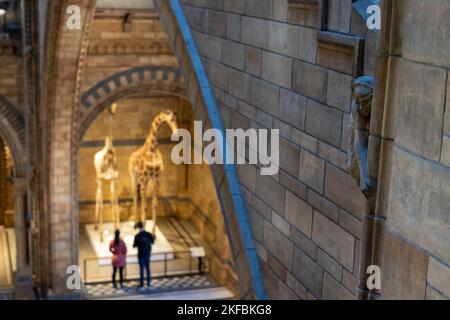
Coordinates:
168 264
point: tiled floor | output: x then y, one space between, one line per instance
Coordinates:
159 285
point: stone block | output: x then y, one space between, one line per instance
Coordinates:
312 171
289 157
271 192
305 14
217 23
293 184
234 55
262 208
256 224
293 108
331 238
259 8
283 38
324 123
433 294
439 276
280 223
239 84
342 190
333 290
303 242
277 69
329 264
309 80
339 91
276 267
236 6
339 15
285 293
419 202
295 285
350 223
447 109
333 155
307 50
308 272
210 47
304 140
265 96
426 44
349 281
298 213
254 32
234 27
253 61
445 154
280 10
265 119
420 101
285 128
278 245
404 270
322 205
247 176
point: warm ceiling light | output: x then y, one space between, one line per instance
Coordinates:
2 12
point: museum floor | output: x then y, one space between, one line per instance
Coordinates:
176 277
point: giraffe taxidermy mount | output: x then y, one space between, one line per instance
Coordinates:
105 163
146 165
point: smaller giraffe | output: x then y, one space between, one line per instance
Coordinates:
105 163
146 164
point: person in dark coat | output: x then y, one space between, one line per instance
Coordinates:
143 241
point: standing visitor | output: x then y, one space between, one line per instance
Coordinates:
119 250
143 241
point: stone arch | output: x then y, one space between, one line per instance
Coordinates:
63 98
155 80
235 214
12 130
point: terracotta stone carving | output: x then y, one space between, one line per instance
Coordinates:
362 93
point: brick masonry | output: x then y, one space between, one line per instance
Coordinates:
269 65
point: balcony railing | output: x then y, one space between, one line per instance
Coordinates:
178 263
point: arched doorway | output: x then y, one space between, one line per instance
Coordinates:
189 213
64 107
14 231
7 235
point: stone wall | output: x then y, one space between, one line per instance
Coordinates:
10 79
275 64
416 263
112 48
207 217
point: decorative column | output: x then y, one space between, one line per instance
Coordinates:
2 182
23 282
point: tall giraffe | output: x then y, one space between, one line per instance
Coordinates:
146 164
105 163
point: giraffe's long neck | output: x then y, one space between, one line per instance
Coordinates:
151 144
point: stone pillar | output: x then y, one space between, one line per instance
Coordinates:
3 206
23 283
